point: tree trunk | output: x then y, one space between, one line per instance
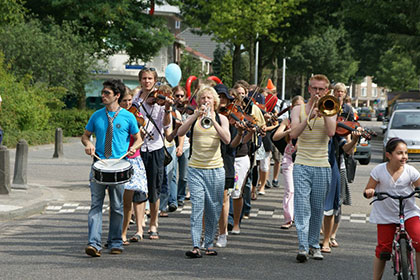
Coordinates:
276 72
302 89
236 63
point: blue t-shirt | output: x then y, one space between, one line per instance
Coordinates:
124 125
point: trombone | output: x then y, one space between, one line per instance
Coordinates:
328 106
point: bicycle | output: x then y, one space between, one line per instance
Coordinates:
402 247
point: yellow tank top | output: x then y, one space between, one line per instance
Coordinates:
312 149
206 152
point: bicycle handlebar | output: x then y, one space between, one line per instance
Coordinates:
385 195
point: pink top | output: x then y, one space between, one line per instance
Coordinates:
131 144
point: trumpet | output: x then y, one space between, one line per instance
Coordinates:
206 121
328 106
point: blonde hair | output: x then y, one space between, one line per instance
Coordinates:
320 77
207 89
341 87
296 99
165 89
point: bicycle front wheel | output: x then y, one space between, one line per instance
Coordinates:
404 260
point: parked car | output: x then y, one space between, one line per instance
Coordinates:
365 114
398 106
380 114
405 124
363 151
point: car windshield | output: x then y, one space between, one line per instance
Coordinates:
406 120
403 106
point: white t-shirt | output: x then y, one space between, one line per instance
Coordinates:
386 211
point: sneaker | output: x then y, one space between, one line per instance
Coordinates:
268 185
302 256
246 216
116 251
221 241
236 194
275 184
180 203
172 208
315 253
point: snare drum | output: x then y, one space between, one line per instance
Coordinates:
112 171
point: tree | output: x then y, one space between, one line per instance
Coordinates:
217 60
113 25
190 66
237 22
11 12
52 55
226 69
397 71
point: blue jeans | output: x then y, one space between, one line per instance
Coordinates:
182 175
95 215
167 179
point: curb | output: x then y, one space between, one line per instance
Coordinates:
24 212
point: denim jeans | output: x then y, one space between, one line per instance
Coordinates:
182 175
95 215
167 179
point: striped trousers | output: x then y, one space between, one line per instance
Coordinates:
206 189
311 184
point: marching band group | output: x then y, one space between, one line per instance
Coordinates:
221 142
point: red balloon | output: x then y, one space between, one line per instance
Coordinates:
188 84
214 78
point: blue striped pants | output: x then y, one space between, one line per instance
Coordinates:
206 189
311 184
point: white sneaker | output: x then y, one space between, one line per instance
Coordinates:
302 256
316 254
236 194
221 241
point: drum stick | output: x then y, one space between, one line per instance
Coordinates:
98 158
136 147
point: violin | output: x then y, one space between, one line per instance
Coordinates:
140 120
344 128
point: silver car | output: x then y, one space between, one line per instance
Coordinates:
405 124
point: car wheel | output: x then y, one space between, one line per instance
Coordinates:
364 161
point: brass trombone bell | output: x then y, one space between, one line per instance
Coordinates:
328 106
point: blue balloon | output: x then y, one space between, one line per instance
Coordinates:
173 74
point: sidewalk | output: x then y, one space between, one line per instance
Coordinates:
49 179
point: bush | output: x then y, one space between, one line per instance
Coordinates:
33 137
72 121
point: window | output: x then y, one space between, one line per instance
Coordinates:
177 24
364 92
374 92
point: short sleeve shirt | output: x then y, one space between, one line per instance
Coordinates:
124 125
386 211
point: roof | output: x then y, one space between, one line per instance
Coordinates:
196 53
202 43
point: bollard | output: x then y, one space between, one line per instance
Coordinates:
21 165
58 152
4 170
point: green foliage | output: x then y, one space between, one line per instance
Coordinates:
190 66
226 70
114 25
397 71
33 137
217 60
52 55
72 121
11 12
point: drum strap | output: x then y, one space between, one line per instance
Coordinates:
109 133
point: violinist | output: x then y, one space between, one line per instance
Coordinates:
135 191
168 195
339 192
182 148
152 152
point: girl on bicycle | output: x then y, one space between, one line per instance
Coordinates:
398 178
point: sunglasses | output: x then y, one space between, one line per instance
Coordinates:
179 95
149 69
106 92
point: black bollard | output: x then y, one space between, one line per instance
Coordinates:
4 170
58 152
21 165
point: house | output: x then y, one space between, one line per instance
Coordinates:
369 94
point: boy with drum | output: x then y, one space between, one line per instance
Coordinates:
112 126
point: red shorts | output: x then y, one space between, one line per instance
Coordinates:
386 235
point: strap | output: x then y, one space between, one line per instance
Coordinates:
149 117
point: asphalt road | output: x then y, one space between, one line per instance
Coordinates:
51 245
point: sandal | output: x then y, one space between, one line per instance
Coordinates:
333 242
154 235
163 214
287 225
326 250
126 242
211 252
253 196
194 253
136 238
